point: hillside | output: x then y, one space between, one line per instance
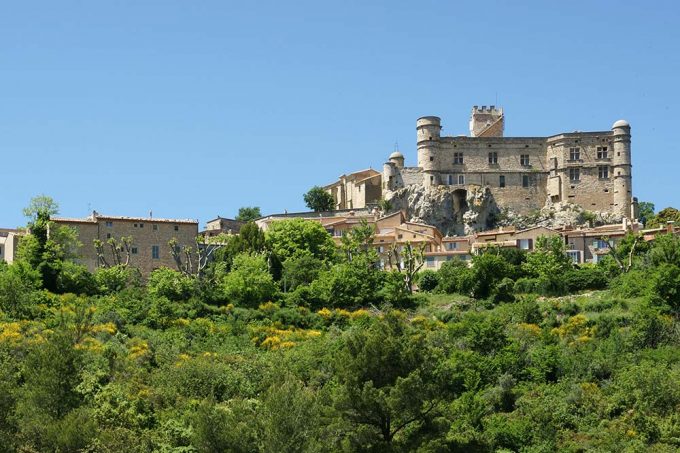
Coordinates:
289 343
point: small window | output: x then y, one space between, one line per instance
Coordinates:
603 172
430 261
574 153
109 224
141 225
461 179
176 227
431 158
155 227
108 235
602 152
133 250
524 160
155 252
501 180
493 158
450 180
135 225
452 246
525 180
457 158
574 174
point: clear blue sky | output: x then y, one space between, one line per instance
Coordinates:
194 108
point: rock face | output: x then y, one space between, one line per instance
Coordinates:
453 210
460 211
557 215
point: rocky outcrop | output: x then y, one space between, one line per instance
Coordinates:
554 215
453 210
457 211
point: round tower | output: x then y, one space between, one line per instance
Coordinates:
622 169
389 175
397 159
428 129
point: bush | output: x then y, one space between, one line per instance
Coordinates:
584 278
666 284
635 283
526 285
451 276
75 278
116 278
428 280
172 284
249 283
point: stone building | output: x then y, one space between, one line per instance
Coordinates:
523 174
149 248
356 190
222 225
9 240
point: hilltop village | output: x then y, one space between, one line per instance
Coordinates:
465 194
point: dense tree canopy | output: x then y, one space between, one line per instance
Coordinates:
317 199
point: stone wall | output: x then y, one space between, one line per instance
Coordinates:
145 233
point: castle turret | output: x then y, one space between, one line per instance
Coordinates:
487 121
428 133
622 170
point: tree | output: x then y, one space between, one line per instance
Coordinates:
317 199
286 238
645 211
664 216
248 213
249 283
358 240
548 263
388 380
409 260
623 253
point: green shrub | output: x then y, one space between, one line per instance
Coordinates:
585 278
172 284
428 280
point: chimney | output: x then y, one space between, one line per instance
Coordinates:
670 226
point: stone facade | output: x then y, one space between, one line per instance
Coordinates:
150 237
588 169
222 225
9 240
356 190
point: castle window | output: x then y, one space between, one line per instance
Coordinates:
457 158
431 158
155 252
176 227
108 235
450 180
603 172
602 152
155 227
574 153
525 180
461 179
133 250
501 180
141 225
574 174
524 160
493 158
109 224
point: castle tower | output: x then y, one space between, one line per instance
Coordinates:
392 170
487 121
428 129
622 170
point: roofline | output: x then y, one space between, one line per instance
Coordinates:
121 218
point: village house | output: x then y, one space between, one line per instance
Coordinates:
148 249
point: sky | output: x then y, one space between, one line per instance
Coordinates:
192 109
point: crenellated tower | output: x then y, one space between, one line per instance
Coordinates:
622 170
487 121
428 130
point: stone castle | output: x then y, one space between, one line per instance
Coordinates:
471 182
